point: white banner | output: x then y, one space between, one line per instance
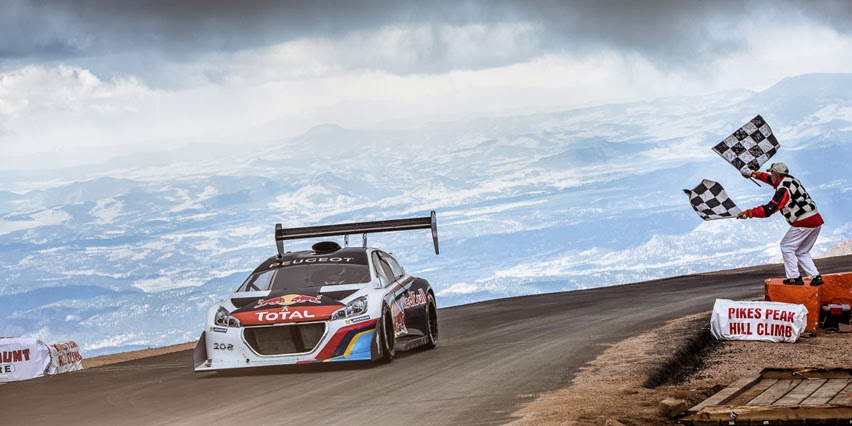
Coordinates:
22 358
764 321
65 357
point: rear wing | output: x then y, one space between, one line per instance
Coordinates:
363 228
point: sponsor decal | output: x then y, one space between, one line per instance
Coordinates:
398 314
219 329
357 319
276 313
313 260
289 299
284 315
223 346
411 299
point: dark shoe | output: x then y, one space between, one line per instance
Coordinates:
794 281
817 281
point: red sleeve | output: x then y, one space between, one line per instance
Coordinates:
780 199
764 177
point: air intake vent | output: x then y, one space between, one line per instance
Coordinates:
325 247
286 339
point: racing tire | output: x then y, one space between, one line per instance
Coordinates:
388 338
431 325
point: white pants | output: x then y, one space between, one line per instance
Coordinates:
796 251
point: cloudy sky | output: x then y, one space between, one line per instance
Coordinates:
84 78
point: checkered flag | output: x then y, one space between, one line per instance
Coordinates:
749 147
711 201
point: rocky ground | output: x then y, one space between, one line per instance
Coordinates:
626 384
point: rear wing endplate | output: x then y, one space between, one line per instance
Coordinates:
363 228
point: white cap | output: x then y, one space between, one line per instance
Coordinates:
779 168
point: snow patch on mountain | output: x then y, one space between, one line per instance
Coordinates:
106 211
18 222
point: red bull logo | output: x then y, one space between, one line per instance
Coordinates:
289 299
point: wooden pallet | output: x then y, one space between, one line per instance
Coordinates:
778 397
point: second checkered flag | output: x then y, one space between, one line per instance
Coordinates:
711 202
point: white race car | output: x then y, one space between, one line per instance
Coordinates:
330 303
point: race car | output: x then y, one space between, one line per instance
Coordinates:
327 304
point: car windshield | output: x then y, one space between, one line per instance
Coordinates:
306 276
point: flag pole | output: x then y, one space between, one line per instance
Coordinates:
720 218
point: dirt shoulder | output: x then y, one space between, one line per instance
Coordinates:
611 387
130 356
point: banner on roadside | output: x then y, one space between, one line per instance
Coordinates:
22 358
763 321
65 357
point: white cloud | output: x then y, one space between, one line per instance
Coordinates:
35 89
283 90
777 51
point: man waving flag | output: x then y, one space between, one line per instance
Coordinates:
794 202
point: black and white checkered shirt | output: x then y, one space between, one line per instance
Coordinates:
801 205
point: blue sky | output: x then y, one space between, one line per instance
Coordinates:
83 80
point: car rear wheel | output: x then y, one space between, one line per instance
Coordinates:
388 338
431 325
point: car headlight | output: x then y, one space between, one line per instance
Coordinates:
224 318
355 307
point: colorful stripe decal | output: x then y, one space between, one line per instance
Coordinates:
360 346
356 340
341 340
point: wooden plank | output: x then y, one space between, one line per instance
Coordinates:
824 394
829 390
727 394
770 413
752 392
775 392
800 392
843 397
806 373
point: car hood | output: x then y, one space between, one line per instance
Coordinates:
286 306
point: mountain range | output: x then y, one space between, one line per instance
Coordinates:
129 251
